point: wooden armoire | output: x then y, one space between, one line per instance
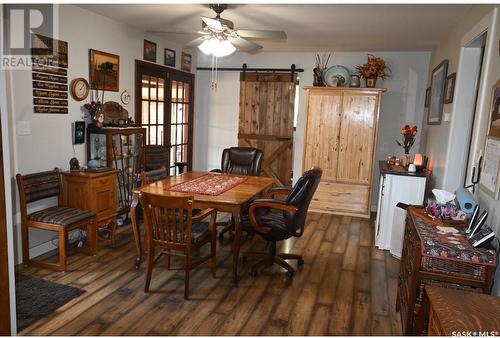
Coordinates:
341 138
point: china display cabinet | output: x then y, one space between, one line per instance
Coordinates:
121 149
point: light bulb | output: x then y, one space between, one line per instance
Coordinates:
218 48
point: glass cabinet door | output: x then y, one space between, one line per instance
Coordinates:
127 155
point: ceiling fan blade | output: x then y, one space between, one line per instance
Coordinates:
180 33
196 42
213 24
257 34
244 45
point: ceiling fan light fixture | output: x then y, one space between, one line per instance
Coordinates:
217 47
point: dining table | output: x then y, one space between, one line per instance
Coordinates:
234 200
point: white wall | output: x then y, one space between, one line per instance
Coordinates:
216 112
50 142
438 145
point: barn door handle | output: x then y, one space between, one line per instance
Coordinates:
283 138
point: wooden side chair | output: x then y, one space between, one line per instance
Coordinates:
172 228
60 219
151 176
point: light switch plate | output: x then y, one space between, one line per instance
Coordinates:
446 117
23 128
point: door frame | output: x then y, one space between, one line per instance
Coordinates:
171 74
451 180
9 195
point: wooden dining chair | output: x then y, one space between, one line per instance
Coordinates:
60 219
172 228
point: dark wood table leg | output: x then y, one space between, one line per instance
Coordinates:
135 228
236 244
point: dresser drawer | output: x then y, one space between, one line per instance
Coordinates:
103 182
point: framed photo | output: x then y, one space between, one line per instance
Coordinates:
149 51
436 100
169 57
186 62
104 71
427 97
489 181
495 112
450 88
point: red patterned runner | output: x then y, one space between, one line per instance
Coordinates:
209 184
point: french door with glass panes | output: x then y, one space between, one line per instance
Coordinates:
165 108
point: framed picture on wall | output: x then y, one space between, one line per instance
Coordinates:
104 71
450 88
169 57
436 100
149 51
186 62
495 112
427 97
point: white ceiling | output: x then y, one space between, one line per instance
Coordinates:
309 27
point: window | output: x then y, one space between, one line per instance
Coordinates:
165 109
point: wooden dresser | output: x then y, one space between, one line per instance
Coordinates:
435 253
448 312
95 191
341 138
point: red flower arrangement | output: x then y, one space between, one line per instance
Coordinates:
409 133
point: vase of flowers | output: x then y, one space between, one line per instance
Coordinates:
409 134
373 69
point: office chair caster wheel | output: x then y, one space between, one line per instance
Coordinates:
300 262
253 273
221 237
290 274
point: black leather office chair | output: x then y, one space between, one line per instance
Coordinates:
276 220
242 161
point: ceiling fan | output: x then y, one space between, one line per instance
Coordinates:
219 37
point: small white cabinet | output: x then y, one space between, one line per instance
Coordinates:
396 185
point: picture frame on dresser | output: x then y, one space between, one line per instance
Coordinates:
436 97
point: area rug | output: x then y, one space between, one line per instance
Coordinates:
208 184
36 298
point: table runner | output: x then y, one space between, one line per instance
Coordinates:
208 184
444 242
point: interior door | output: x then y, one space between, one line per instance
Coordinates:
357 137
165 108
266 120
5 329
322 133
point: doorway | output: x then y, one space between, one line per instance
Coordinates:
464 110
164 107
5 320
266 120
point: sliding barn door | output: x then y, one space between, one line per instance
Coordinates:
266 120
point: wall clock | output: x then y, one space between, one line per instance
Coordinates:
80 89
125 97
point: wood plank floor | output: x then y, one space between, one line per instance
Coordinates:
346 287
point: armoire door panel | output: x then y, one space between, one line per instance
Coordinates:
321 143
357 138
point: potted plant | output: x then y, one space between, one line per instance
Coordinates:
409 134
374 68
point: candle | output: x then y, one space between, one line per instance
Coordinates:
419 160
